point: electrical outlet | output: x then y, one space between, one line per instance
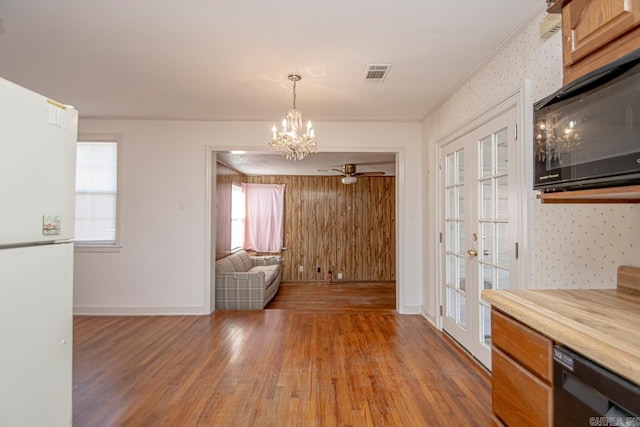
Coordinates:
339 276
301 269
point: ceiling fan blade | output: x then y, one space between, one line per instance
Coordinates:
329 170
377 173
380 163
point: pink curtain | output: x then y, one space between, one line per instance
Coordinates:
264 219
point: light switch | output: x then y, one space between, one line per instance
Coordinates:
182 205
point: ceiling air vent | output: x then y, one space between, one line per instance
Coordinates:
551 24
376 72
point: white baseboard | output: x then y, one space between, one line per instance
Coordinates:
430 320
411 309
138 311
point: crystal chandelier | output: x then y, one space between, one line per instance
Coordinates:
288 142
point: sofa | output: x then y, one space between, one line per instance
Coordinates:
245 282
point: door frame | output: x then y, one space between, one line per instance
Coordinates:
520 98
401 194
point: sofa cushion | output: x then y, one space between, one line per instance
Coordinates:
247 263
270 272
226 265
237 262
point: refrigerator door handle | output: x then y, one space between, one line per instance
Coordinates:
33 244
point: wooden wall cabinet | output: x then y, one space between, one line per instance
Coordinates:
596 32
522 377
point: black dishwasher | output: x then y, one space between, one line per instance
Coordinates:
586 394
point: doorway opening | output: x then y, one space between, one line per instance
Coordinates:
346 231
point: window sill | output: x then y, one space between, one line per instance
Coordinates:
97 248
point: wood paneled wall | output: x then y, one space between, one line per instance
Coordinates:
337 227
225 177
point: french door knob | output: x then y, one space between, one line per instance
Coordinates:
472 252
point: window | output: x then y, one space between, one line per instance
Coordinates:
96 192
237 217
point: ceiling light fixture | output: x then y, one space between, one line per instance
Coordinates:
349 180
287 141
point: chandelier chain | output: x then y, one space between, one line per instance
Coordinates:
294 94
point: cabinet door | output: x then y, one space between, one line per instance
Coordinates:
588 25
529 348
518 397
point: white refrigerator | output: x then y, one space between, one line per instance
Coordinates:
37 208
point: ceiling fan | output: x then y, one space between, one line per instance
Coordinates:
349 174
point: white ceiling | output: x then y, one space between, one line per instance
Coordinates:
229 60
269 163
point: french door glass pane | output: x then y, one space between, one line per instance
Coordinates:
501 143
451 169
460 212
463 312
502 185
461 238
451 269
451 303
461 276
451 236
487 199
486 146
486 242
460 158
451 202
487 277
502 243
485 324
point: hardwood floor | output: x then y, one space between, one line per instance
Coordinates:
334 296
275 367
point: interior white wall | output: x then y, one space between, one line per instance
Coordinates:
161 268
573 246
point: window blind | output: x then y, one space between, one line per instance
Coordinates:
96 192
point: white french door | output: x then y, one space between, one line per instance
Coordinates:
480 228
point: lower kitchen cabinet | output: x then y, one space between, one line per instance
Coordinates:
522 377
559 353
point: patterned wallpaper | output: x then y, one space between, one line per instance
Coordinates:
573 246
581 246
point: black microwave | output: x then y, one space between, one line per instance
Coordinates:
587 134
